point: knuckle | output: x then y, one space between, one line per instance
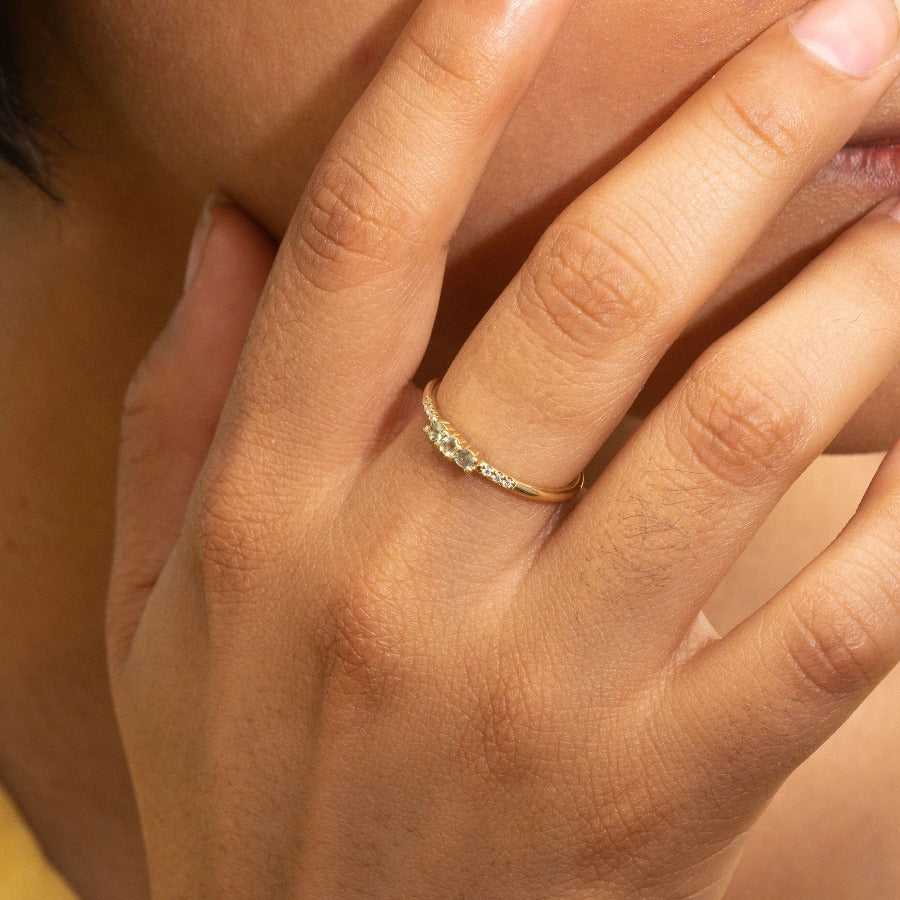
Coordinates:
229 526
363 649
350 217
506 731
764 134
583 289
643 808
451 66
362 627
740 429
836 645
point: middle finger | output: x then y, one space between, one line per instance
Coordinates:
564 351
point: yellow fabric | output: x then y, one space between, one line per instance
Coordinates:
24 873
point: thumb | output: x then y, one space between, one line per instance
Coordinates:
174 402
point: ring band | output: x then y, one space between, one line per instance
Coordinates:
453 445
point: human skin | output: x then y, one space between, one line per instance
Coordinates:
220 112
338 671
263 159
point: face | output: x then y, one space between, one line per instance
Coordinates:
245 99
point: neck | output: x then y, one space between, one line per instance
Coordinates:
86 286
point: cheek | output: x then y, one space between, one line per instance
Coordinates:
246 99
245 96
619 70
608 84
242 96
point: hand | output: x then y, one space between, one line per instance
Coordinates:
343 667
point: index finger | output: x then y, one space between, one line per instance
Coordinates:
348 310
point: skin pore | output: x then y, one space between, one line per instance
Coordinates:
162 103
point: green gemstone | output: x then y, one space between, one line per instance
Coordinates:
466 459
449 445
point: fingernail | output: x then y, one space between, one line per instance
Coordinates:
855 36
894 211
198 241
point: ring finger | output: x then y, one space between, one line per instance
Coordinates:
560 357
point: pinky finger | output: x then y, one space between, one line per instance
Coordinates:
781 683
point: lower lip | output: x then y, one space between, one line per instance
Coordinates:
869 168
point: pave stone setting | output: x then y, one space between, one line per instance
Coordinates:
451 444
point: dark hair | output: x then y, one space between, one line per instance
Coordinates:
21 127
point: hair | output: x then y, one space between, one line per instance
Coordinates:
21 127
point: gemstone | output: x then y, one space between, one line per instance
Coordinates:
449 446
466 459
434 431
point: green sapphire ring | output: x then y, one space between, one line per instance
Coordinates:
455 447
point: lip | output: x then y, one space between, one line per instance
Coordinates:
871 166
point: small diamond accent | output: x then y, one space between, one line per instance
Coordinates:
492 474
430 410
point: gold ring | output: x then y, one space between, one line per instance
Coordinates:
453 445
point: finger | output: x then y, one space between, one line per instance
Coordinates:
174 401
558 360
679 503
777 686
349 309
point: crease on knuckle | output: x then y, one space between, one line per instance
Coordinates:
736 427
762 135
231 531
834 643
504 727
349 221
585 289
454 69
365 656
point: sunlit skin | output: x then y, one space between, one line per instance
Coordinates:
163 103
229 97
